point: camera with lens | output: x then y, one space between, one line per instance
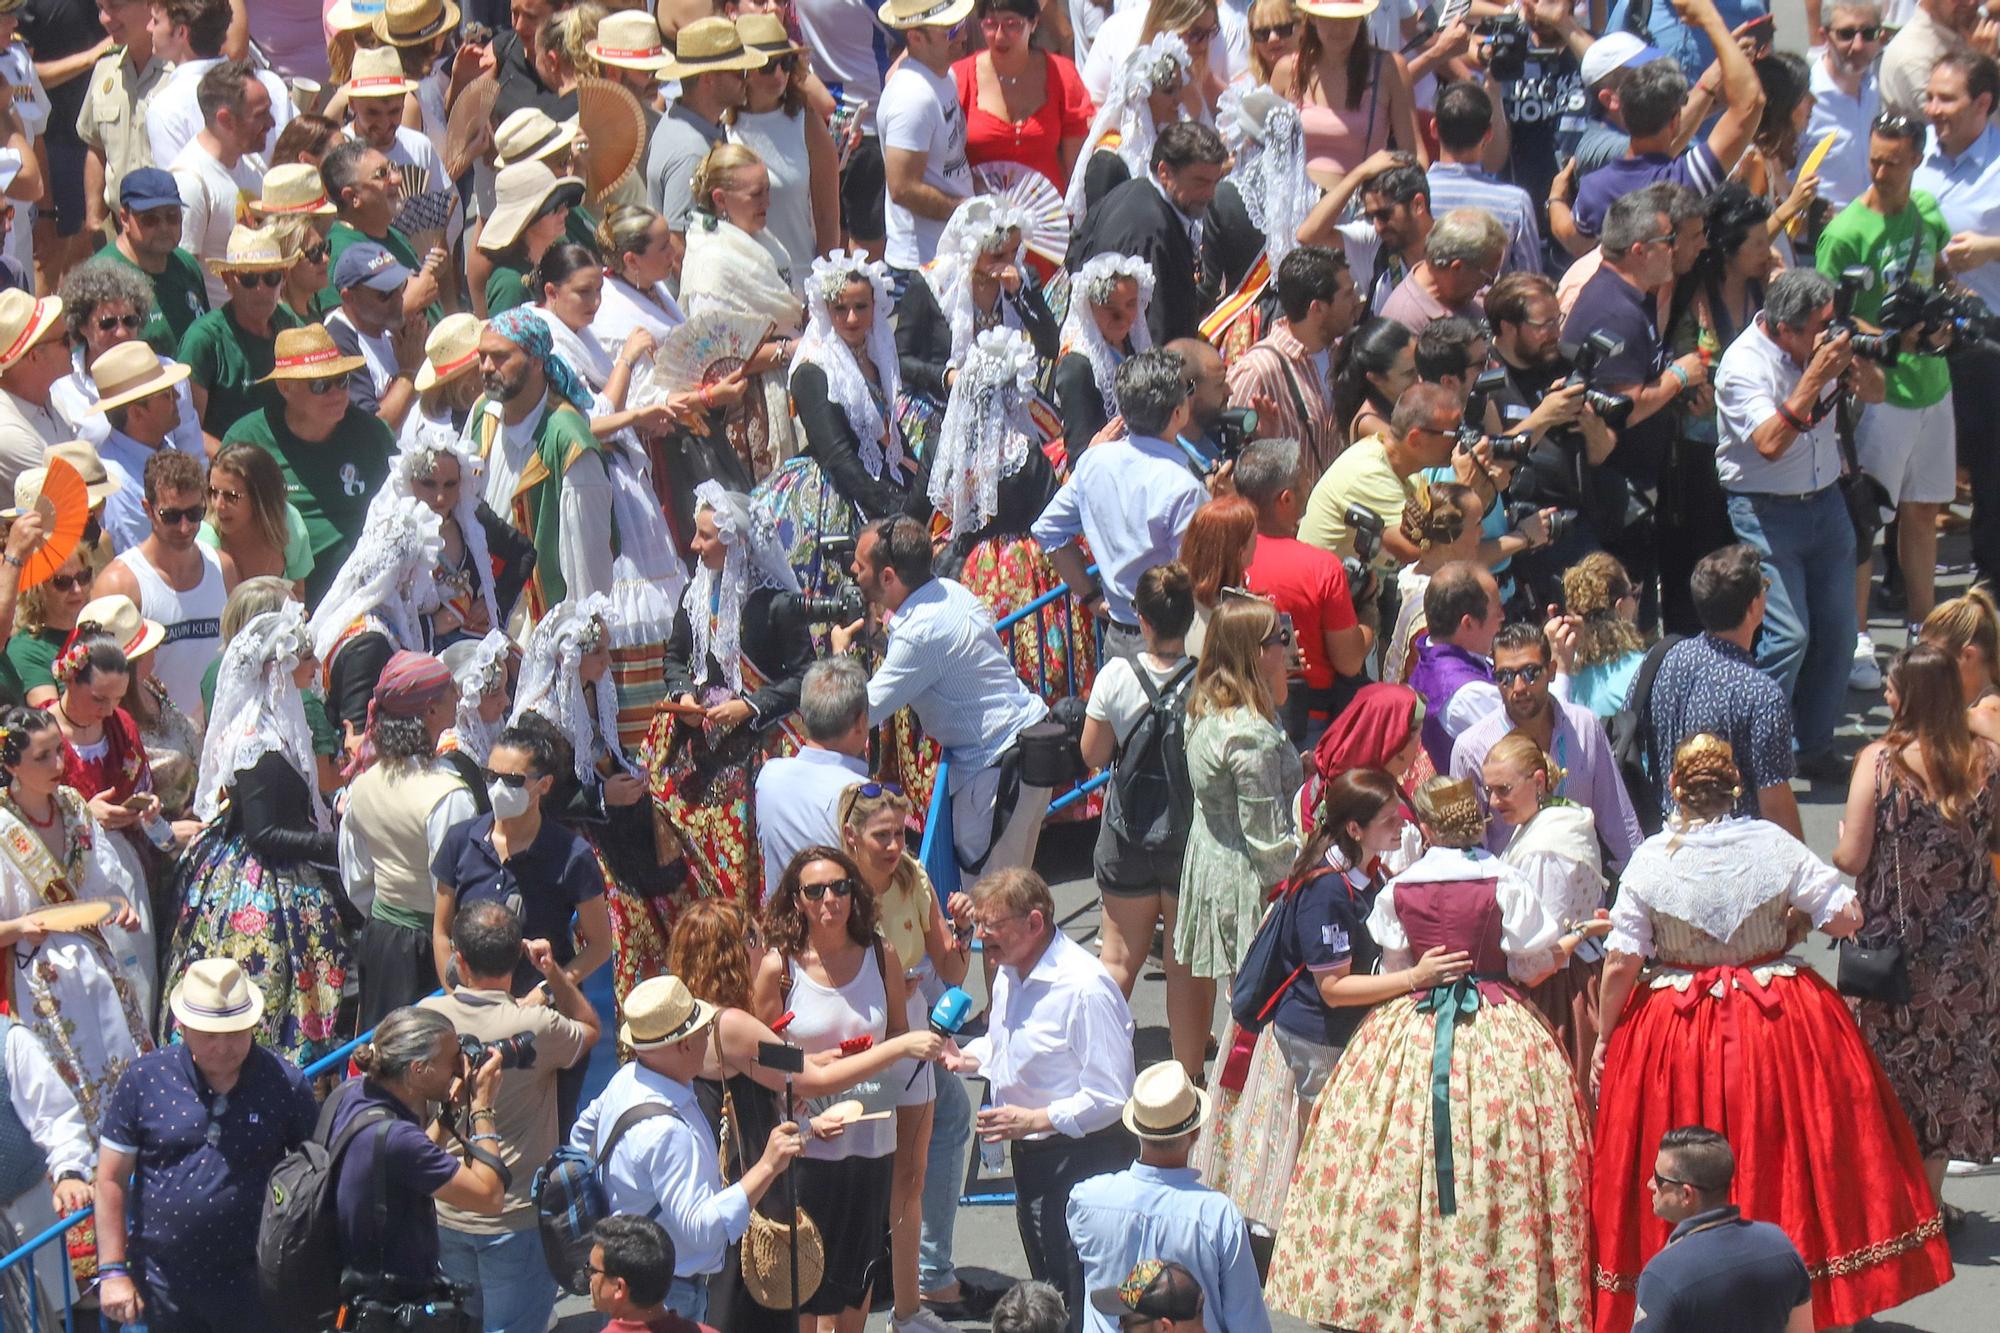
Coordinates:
843 606
1505 37
1613 409
1232 430
516 1052
1897 315
1366 525
1558 522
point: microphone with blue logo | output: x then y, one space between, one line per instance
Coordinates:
948 1015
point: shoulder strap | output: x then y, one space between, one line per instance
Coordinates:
1155 694
631 1116
894 1024
378 1192
1649 667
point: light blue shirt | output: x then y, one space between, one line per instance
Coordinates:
1455 185
1843 172
1753 377
668 1164
798 804
1967 189
1132 498
125 520
1154 1212
945 661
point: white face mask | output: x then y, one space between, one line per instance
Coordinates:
508 802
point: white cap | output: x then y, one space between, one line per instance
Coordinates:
1615 51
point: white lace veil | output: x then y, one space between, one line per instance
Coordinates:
474 669
551 682
258 709
392 573
1160 65
1268 141
820 345
753 559
977 226
416 459
1093 285
987 433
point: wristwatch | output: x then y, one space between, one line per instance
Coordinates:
13 559
70 1173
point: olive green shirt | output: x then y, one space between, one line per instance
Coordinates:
180 297
330 481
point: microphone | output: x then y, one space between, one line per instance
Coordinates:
948 1015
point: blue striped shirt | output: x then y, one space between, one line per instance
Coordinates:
1455 185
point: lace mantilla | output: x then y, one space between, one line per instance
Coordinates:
552 685
392 574
416 462
1714 875
1162 65
1268 141
484 667
258 709
821 345
1095 282
754 558
987 433
978 227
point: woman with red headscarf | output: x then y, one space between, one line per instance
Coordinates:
1378 729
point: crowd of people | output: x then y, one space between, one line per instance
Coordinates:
507 496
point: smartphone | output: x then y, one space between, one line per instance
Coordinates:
137 801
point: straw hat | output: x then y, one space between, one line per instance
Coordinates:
520 193
1339 9
216 997
116 618
414 22
629 39
1165 1103
378 72
353 15
766 33
252 250
292 190
131 371
907 14
530 135
25 321
711 46
659 1012
82 455
309 354
451 350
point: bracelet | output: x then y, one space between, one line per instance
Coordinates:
707 401
478 1111
1680 375
113 1270
13 560
484 1138
1792 419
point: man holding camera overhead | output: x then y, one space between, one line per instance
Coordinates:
500 1258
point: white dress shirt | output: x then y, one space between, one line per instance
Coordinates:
1060 1040
1753 377
45 1105
667 1163
798 804
1967 189
1132 498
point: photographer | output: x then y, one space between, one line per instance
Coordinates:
500 1259
390 1272
944 660
1780 462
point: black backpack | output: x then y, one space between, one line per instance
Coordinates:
1151 804
570 1200
1630 731
298 1244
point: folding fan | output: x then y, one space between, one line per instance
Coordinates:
1030 191
705 349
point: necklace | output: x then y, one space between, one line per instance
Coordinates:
55 812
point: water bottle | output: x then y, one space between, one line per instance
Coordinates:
158 831
993 1157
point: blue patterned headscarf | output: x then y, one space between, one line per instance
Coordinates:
524 328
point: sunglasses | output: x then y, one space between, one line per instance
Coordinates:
130 323
1201 36
839 888
318 387
68 582
220 493
1280 31
266 279
1659 1180
191 514
1282 634
781 64
509 779
218 1107
1506 676
1869 33
312 254
875 790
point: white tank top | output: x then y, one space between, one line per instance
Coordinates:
821 1020
193 621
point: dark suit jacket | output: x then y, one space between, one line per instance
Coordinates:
1136 219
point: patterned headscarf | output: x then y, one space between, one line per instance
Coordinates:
525 329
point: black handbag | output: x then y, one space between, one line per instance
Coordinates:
1864 496
1882 972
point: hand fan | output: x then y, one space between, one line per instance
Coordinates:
65 506
705 349
70 917
1030 191
610 118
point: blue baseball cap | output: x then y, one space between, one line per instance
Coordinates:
366 264
148 187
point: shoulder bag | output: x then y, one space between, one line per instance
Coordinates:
1880 973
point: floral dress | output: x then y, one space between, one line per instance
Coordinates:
1245 775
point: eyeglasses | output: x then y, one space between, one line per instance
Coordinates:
1280 635
1011 24
1500 789
508 779
1279 31
1529 674
986 927
130 323
1201 36
839 888
1378 216
1868 33
191 514
218 1107
222 493
265 279
318 387
68 582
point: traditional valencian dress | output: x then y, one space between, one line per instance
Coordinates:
1728 1029
1444 1182
1086 372
464 586
733 271
1557 852
483 666
377 604
70 989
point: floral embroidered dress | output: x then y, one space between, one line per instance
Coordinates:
69 989
1444 1182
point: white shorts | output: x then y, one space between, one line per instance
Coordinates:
1912 451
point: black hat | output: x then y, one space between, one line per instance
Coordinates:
1152 1290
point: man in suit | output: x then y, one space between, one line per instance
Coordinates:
1158 217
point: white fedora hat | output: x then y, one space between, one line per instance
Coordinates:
1165 1103
215 996
660 1011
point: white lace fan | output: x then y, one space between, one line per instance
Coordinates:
705 349
1029 190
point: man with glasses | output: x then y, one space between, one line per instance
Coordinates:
1938 28
1718 1272
230 351
1374 474
710 61
1462 256
367 190
1846 96
1155 1297
1057 1056
922 128
1386 238
171 577
186 1147
139 399
149 240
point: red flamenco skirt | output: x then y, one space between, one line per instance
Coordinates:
1823 1148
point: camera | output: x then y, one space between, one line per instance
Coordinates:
516 1052
1964 314
1366 525
1559 520
843 606
1613 409
1505 37
1878 347
1232 430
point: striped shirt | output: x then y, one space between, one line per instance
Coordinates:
1455 185
1280 369
1697 167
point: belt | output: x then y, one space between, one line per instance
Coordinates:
1113 1133
1119 624
1787 497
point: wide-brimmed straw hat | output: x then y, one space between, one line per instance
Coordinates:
766 33
906 14
378 72
712 46
216 997
661 1011
531 135
451 350
293 190
118 619
131 371
309 354
1339 9
82 455
521 193
252 250
24 321
353 15
1165 1103
629 39
414 22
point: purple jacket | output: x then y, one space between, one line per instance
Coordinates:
1442 670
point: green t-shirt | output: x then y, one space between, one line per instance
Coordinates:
330 481
228 363
180 297
343 234
506 287
31 657
298 542
1898 249
581 228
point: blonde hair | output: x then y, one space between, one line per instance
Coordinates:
1449 809
623 231
856 811
1264 14
1230 674
1175 16
1519 751
1592 589
566 32
1971 621
1706 781
714 171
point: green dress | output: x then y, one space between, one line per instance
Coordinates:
1245 776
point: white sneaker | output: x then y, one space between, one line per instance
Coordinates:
923 1321
1864 674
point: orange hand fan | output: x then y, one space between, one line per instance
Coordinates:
64 504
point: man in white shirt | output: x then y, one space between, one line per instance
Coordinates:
33 1095
188 34
922 128
372 324
798 796
1937 28
1058 1056
1846 97
653 1144
216 181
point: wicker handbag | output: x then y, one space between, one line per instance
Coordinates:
767 1246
